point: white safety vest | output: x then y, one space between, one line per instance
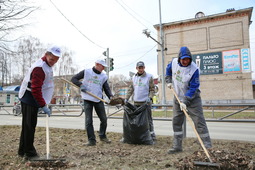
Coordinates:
94 84
181 77
141 86
48 83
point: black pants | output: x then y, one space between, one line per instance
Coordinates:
29 121
100 110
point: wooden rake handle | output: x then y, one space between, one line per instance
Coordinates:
193 126
91 94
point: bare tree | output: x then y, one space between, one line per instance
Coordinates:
117 78
12 15
28 51
117 82
31 49
65 65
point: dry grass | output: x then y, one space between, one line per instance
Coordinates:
69 144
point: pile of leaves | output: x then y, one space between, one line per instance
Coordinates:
58 164
221 159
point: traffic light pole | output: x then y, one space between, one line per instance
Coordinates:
108 62
107 72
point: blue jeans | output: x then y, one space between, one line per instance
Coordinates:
100 110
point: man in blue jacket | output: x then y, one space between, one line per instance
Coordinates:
183 76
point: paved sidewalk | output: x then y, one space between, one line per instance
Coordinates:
218 130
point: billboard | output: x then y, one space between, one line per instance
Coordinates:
209 63
246 60
231 61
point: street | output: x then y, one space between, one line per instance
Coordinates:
218 130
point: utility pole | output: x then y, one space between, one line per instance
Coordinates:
161 44
163 58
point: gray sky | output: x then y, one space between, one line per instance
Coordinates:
118 25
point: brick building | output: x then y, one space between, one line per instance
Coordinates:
220 46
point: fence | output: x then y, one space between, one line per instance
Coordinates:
71 110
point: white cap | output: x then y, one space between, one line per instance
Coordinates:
56 51
102 62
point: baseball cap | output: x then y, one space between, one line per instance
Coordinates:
140 64
55 50
185 56
102 62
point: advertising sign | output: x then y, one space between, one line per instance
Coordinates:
246 61
209 63
231 61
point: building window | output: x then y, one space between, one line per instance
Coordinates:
8 98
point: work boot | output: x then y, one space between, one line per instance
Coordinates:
177 144
90 143
174 150
105 140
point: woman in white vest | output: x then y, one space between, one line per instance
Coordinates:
142 89
183 76
36 91
95 82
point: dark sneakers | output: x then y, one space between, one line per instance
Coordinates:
31 157
105 140
93 143
174 150
90 143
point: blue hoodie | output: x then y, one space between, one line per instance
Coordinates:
194 81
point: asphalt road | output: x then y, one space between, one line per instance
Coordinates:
218 130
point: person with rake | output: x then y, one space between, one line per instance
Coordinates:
94 81
182 76
36 92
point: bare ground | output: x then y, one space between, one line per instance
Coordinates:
69 144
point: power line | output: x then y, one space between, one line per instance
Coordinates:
75 26
136 13
137 58
132 14
129 52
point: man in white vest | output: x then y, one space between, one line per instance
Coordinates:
36 92
142 89
182 74
95 82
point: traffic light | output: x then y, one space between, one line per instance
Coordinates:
111 64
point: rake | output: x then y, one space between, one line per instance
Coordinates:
197 163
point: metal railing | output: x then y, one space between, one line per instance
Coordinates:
70 110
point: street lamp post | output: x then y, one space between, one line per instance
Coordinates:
163 58
161 44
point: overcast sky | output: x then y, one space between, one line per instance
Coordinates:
89 27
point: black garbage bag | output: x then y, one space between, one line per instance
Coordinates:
136 125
